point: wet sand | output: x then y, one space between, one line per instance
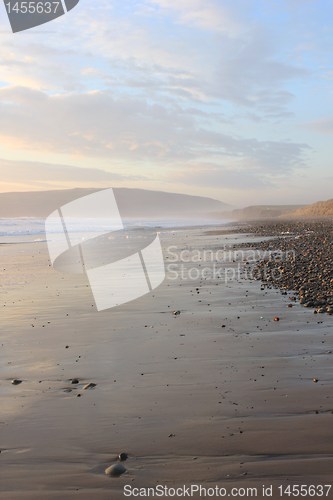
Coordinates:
220 394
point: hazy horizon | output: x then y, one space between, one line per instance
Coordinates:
228 206
226 100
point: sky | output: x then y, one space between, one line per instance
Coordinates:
231 99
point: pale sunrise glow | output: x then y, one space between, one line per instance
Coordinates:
231 100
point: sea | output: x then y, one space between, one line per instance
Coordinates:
31 230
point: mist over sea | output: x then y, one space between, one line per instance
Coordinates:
16 230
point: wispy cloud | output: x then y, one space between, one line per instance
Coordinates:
150 88
204 14
322 126
96 124
38 175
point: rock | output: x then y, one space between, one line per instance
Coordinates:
91 385
16 381
315 380
276 318
176 313
305 265
115 470
122 457
75 381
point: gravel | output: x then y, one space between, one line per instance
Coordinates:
298 258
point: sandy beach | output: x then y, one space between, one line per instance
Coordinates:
219 394
166 230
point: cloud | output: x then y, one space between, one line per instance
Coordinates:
233 61
225 177
322 126
250 73
128 129
127 48
150 86
203 14
39 175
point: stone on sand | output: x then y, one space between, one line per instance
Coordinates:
91 385
115 470
16 381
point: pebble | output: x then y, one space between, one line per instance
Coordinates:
91 385
306 266
115 470
122 457
16 381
